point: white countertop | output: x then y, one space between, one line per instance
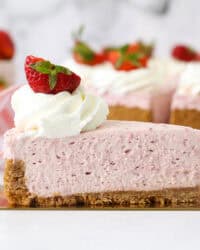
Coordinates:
99 230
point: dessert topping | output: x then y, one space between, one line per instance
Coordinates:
45 77
83 53
129 56
185 53
57 116
7 49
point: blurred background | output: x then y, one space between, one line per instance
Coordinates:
44 27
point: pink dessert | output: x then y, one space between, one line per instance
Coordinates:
63 152
143 94
122 157
185 108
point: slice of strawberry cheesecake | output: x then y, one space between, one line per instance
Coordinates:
185 108
62 152
122 76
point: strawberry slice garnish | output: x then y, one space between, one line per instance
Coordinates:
48 78
7 48
184 53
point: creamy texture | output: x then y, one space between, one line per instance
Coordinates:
190 80
60 115
167 67
188 91
147 88
191 102
7 71
105 79
118 156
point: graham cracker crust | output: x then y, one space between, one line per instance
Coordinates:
186 117
18 195
129 114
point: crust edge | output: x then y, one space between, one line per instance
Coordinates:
185 117
129 114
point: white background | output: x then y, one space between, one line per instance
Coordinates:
99 230
43 27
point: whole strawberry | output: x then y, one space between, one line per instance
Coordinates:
184 53
45 77
7 48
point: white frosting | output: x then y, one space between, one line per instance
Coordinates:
56 116
190 80
7 71
104 78
167 67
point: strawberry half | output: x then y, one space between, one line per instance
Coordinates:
130 56
7 48
184 53
83 54
126 58
45 77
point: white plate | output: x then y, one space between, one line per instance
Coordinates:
99 230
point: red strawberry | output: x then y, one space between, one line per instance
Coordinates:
134 47
45 77
113 55
6 46
130 56
83 54
184 53
197 58
124 58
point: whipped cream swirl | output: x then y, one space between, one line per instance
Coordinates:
56 116
190 80
104 78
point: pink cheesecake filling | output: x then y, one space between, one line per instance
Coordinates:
158 103
119 156
186 102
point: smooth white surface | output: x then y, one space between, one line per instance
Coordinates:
99 230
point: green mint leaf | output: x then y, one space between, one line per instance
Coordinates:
61 69
43 67
52 80
84 51
124 48
134 58
107 49
119 62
